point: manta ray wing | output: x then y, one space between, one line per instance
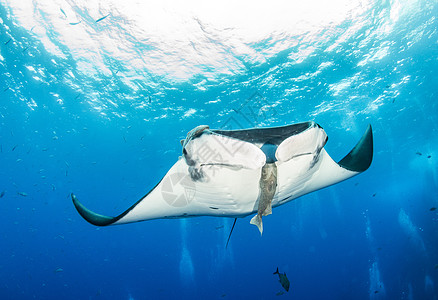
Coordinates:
309 172
182 194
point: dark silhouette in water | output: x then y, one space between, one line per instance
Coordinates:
229 236
283 280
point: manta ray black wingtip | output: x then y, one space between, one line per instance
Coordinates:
359 159
91 217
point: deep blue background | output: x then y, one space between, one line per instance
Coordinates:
371 237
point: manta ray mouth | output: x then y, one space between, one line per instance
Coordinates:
269 150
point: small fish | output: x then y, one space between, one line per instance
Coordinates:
419 153
77 96
58 270
283 280
26 49
8 41
103 18
75 23
63 12
219 227
374 195
375 292
24 194
6 89
432 209
13 148
2 194
429 156
150 100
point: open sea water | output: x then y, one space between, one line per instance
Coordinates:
96 95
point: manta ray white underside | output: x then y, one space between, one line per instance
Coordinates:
235 173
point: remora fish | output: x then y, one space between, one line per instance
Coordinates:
220 173
268 186
282 278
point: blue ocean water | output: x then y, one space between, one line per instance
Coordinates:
95 97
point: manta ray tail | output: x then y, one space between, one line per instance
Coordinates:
229 236
257 221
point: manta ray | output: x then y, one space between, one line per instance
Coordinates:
236 173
